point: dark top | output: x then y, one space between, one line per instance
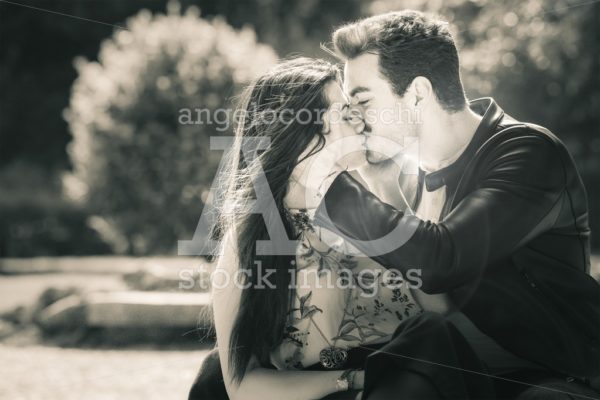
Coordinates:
512 247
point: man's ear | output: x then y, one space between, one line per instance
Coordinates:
422 90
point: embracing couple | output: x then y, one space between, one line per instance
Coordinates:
441 247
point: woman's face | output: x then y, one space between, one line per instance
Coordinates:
344 144
343 134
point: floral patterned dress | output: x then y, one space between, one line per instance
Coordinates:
342 298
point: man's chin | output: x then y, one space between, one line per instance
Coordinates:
375 157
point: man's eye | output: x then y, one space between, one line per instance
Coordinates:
357 101
353 116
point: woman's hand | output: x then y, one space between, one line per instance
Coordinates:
358 380
358 383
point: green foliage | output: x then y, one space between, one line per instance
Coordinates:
139 170
36 220
290 26
539 60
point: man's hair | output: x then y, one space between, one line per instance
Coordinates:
409 44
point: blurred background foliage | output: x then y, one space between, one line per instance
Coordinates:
136 166
94 161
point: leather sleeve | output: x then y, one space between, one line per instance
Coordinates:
520 183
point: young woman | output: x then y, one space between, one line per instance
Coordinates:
294 339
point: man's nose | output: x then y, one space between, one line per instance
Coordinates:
366 130
357 124
356 120
359 127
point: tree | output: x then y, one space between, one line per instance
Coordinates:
141 165
540 61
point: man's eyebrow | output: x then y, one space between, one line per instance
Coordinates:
359 89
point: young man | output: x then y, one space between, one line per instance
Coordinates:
500 231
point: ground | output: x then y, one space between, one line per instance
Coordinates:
51 373
30 370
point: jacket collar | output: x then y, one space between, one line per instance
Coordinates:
492 115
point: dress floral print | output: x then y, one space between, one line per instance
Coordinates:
360 307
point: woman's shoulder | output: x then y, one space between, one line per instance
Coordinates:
301 218
316 237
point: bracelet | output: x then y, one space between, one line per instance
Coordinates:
352 375
342 384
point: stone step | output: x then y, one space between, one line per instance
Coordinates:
134 308
97 264
129 309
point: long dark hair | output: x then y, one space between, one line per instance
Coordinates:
292 87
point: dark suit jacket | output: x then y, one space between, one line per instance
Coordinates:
512 247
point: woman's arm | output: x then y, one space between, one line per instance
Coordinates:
258 383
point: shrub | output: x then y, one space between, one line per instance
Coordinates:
36 220
140 171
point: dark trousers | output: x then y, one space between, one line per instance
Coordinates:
427 358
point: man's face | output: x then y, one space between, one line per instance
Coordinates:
385 114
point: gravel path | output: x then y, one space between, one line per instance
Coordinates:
51 373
